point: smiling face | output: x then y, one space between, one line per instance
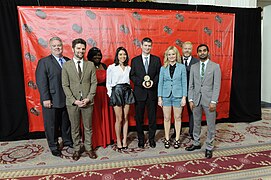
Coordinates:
122 56
172 56
79 51
97 58
146 48
203 53
187 50
56 48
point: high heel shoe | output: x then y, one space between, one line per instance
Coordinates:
119 149
177 144
125 148
167 143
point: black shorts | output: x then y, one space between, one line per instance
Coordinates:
121 94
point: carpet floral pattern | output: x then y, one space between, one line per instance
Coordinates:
242 151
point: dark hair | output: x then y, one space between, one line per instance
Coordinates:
93 52
78 41
146 39
203 45
116 60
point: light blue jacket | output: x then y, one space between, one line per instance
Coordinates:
177 85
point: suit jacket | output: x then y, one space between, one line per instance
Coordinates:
177 85
74 87
137 74
193 61
205 90
48 79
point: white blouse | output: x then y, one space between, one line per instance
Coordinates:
116 75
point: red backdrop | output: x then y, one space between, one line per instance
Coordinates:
109 28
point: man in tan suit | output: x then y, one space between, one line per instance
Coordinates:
79 84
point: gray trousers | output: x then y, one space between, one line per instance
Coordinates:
75 114
210 119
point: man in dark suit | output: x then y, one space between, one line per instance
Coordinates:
79 84
204 89
53 100
188 61
144 73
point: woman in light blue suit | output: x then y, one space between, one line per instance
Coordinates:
172 92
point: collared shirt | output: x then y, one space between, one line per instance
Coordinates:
57 59
172 69
144 59
205 65
76 64
188 60
116 75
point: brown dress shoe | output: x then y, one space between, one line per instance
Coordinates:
92 154
76 155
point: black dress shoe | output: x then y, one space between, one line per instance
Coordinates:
152 143
56 153
141 144
68 145
76 155
208 154
192 148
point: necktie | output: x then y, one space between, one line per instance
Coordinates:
79 69
146 65
202 70
185 61
61 61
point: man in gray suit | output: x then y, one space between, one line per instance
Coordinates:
55 115
204 89
79 83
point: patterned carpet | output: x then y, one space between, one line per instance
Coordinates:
242 151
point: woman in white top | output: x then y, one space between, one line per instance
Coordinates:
120 93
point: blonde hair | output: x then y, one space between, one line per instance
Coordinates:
178 56
188 43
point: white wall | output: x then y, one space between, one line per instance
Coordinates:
266 55
228 3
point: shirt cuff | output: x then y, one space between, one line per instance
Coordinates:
190 100
213 102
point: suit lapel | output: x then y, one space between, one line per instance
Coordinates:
73 68
177 69
197 73
142 64
55 63
85 65
208 68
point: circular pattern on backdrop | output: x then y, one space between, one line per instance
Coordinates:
262 131
224 135
20 153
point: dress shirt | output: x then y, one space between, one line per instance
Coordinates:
143 57
205 63
188 60
116 75
76 64
172 69
57 59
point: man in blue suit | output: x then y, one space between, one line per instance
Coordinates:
53 99
203 93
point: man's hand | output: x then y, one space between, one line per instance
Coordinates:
47 104
212 107
192 105
78 103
